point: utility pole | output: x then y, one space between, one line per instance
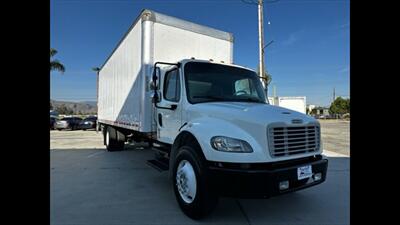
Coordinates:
334 95
261 40
261 46
274 91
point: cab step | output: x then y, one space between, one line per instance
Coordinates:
158 164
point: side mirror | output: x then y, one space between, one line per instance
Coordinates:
155 77
152 85
156 98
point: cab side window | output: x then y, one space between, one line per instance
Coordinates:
172 88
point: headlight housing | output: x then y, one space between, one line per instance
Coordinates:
227 144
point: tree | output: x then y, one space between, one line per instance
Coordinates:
266 75
54 63
340 106
314 111
63 109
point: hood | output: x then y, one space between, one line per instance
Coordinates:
247 112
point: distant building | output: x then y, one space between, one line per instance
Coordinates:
324 111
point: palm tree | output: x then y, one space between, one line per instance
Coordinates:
55 64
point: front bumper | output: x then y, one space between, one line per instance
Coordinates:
261 180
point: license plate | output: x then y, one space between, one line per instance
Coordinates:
304 172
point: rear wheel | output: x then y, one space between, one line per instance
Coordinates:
193 192
111 140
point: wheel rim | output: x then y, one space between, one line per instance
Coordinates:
186 181
107 138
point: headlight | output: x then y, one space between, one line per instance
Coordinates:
227 144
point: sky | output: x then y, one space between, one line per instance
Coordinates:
309 56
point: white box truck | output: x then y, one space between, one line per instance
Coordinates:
296 103
173 84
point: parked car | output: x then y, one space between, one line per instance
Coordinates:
68 123
322 116
53 121
88 123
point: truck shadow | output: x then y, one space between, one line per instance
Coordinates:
326 203
126 186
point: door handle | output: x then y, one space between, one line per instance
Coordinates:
171 107
160 119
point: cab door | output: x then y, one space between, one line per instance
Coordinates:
169 109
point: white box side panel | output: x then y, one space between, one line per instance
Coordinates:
295 103
120 86
172 44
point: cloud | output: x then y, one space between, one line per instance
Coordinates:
293 38
346 25
344 69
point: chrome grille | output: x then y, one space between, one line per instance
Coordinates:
291 140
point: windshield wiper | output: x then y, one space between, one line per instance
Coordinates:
210 97
250 100
219 98
213 98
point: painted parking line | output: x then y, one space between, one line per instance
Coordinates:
96 153
333 154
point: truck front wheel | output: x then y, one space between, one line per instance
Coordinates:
111 141
190 182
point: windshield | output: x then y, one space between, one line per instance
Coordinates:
206 82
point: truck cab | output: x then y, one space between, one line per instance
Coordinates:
234 142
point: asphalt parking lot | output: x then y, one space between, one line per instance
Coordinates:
336 135
92 186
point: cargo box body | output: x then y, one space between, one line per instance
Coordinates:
294 103
124 98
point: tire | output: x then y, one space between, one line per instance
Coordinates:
111 140
195 201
